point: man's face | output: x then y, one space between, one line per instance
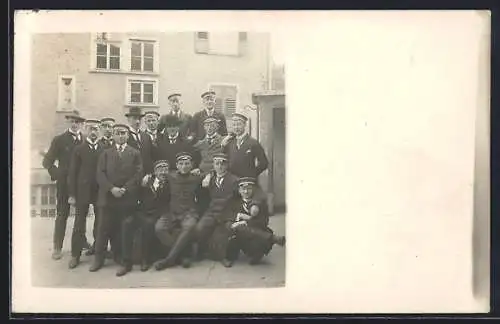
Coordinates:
161 173
220 166
211 128
209 102
92 132
184 166
151 122
172 131
120 135
238 126
134 121
74 124
107 129
246 191
175 103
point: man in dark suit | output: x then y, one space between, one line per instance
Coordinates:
149 140
155 200
244 227
185 131
220 187
171 143
134 119
119 172
60 150
208 111
106 126
82 187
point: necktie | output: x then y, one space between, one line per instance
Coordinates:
218 181
246 204
120 150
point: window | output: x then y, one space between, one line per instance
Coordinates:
220 43
45 195
67 92
33 213
142 56
44 213
33 196
225 98
107 56
52 195
142 92
52 213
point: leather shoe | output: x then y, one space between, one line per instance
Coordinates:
57 254
227 263
90 251
123 270
73 263
163 264
96 265
186 262
145 266
280 240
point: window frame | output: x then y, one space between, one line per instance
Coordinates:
225 84
128 91
60 92
202 45
156 54
108 56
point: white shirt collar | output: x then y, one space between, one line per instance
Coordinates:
210 112
78 134
152 132
173 138
241 137
92 143
136 132
123 146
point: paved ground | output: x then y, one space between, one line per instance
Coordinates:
206 274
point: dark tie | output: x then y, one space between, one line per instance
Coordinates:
246 205
218 182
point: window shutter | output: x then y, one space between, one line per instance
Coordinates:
218 104
230 106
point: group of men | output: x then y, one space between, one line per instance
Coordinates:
187 185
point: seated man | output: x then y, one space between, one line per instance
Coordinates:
245 227
155 196
176 229
219 187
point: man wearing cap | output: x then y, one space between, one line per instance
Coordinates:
106 139
119 171
60 150
172 143
246 156
209 145
149 140
174 100
176 229
246 226
155 196
82 187
208 111
220 186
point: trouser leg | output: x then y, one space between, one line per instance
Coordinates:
164 231
204 229
128 229
79 228
184 239
62 213
255 242
148 239
104 231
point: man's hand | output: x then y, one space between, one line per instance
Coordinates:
242 217
145 180
226 140
117 192
238 224
254 210
190 138
71 200
206 181
123 191
196 172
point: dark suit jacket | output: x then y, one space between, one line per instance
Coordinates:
185 128
220 197
166 151
249 160
155 203
82 182
197 124
115 171
145 147
207 152
60 150
235 206
105 142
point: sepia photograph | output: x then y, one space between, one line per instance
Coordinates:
251 162
158 157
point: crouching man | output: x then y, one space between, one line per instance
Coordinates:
155 196
246 226
176 229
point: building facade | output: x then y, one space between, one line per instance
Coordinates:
103 74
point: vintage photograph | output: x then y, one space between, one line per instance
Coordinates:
157 160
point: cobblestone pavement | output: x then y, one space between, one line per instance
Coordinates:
206 274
